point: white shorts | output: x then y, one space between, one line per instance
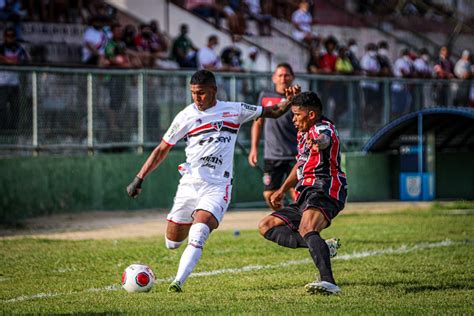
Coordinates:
194 194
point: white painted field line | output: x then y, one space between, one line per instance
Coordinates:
354 255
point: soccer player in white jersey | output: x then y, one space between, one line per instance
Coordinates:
210 129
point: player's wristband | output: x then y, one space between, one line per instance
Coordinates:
137 182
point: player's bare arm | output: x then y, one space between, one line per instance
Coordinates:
155 158
290 182
281 108
255 139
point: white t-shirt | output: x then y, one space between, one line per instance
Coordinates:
210 138
304 21
370 64
207 56
401 68
97 38
422 66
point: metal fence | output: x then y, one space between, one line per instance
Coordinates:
68 111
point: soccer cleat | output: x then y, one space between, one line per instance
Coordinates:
322 287
175 286
333 244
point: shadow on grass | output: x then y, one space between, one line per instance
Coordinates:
443 287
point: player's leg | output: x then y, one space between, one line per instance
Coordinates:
204 223
180 216
210 209
281 228
176 233
313 221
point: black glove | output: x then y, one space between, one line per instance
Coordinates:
135 187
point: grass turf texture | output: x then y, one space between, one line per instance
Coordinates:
51 276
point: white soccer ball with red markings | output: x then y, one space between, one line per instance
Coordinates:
138 278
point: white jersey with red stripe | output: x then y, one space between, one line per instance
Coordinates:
210 137
323 165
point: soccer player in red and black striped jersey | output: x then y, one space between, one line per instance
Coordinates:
321 190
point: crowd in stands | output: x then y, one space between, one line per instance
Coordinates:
106 43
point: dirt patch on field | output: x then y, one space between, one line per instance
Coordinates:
128 224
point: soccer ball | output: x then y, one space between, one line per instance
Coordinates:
138 278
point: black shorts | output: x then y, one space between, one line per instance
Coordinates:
309 198
275 172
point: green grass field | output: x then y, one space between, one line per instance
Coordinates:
400 263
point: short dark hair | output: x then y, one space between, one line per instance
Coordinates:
308 100
204 77
287 66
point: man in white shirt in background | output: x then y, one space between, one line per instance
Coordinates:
94 42
302 21
401 94
207 57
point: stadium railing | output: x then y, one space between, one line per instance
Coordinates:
69 111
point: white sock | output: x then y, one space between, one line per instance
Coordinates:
172 244
198 234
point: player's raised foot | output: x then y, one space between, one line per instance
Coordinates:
322 287
175 286
333 244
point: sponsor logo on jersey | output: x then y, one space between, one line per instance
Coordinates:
217 125
220 139
198 121
249 107
229 114
211 161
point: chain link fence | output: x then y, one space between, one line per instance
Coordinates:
77 111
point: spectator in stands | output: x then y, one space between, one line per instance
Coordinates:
401 93
371 107
206 9
313 65
302 21
231 56
11 53
207 58
183 50
149 46
128 36
234 11
10 12
340 91
116 56
250 63
443 69
462 70
422 64
327 62
254 12
343 63
352 54
384 59
94 41
161 38
116 50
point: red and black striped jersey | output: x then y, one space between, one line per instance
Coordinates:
323 167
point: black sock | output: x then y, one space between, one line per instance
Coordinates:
319 251
286 237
